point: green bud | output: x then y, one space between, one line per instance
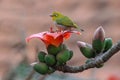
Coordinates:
98 40
59 63
51 70
50 59
53 49
71 54
32 64
98 45
86 49
41 68
41 56
63 56
108 44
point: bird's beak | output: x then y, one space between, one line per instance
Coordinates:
51 15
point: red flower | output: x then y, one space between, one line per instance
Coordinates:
113 77
53 38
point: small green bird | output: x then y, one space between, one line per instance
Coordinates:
63 22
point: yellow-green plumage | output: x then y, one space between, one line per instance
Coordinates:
62 21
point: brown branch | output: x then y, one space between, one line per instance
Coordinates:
98 60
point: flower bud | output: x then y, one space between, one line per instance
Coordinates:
50 59
71 54
99 34
41 56
59 63
108 44
63 56
32 64
86 49
53 49
81 44
41 68
98 42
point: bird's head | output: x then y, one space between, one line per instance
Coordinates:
56 15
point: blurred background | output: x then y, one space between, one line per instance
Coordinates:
21 18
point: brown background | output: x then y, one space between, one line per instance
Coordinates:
32 16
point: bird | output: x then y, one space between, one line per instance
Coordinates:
63 22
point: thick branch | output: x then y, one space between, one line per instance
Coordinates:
93 63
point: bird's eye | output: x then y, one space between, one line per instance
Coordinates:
56 15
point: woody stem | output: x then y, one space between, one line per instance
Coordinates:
98 60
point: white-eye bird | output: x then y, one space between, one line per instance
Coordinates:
63 22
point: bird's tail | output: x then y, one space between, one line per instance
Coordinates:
76 26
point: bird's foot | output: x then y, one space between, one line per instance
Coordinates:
51 29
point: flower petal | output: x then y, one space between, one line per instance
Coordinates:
39 36
58 40
53 39
76 32
67 34
33 36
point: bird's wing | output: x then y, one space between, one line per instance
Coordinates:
65 21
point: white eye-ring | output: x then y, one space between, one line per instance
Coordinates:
56 15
